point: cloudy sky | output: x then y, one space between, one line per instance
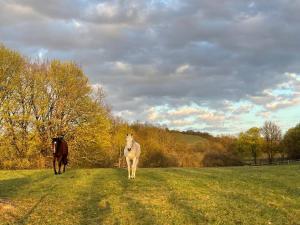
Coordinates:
193 64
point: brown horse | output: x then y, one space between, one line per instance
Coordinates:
60 153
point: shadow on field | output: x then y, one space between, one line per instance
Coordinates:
25 218
8 188
238 195
151 181
258 176
94 208
194 216
11 187
131 188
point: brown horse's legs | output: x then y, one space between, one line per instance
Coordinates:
54 166
59 166
65 162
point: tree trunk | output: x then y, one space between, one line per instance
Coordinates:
120 157
270 156
254 155
282 156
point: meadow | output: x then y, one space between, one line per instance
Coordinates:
232 195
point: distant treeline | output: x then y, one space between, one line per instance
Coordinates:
41 100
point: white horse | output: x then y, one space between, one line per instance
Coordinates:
132 153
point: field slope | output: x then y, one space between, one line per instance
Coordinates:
241 195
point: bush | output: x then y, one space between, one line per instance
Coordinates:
17 164
159 159
213 158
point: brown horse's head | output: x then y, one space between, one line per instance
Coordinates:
56 141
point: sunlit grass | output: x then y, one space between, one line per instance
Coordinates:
240 195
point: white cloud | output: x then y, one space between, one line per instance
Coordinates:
184 111
42 53
265 114
251 4
185 116
153 115
76 23
285 94
19 9
180 123
183 68
281 103
106 9
212 117
121 66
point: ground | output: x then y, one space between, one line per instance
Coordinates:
235 195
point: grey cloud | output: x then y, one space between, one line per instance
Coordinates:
56 9
233 51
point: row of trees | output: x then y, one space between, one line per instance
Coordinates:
41 100
162 147
268 141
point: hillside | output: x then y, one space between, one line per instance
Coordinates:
233 195
190 139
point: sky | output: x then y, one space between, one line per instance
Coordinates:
195 64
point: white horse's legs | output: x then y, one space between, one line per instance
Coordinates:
135 163
133 168
128 166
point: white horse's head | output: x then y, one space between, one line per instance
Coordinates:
129 141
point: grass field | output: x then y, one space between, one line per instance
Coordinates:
240 195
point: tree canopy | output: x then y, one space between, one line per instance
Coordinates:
43 100
251 142
291 142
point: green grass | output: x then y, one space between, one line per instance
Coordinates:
240 195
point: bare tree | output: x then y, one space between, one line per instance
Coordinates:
272 135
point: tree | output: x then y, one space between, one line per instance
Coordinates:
41 100
272 135
14 102
119 130
291 142
251 141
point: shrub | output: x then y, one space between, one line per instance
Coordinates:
213 158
